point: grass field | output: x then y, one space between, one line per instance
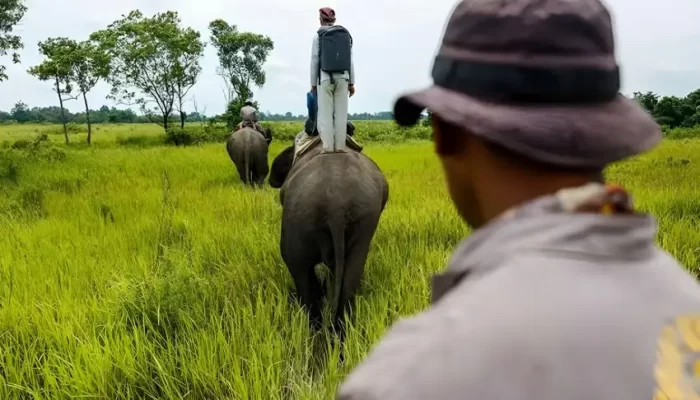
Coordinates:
151 272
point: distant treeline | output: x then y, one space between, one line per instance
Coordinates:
671 111
22 113
288 116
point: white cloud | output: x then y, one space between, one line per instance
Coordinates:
394 45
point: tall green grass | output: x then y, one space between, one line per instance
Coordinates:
149 135
151 272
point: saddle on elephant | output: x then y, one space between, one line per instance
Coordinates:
305 142
255 125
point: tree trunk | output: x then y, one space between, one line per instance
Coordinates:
87 116
165 121
182 120
63 111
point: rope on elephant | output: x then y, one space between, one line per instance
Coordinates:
303 143
254 126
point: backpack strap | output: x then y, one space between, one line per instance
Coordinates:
330 74
320 36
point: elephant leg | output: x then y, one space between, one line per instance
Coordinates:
310 293
261 169
244 177
357 251
240 168
254 174
301 259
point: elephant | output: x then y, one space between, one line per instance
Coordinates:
248 148
331 206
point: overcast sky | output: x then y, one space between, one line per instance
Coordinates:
395 41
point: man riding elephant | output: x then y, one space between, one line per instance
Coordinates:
249 115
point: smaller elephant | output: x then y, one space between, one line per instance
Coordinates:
248 149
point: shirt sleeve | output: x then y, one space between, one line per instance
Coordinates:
314 61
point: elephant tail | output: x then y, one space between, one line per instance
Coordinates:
338 236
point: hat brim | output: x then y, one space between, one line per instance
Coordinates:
565 135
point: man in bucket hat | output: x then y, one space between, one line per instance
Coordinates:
560 291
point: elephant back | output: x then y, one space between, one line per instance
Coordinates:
303 143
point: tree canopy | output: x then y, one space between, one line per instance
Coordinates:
11 12
58 68
57 65
241 58
154 61
672 111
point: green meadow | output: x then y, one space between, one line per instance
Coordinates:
133 269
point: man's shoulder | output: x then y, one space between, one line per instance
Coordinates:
545 286
444 352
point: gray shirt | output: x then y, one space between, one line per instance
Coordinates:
540 304
349 75
249 113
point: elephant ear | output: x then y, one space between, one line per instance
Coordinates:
281 166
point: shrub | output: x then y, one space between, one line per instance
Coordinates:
183 137
681 133
140 141
40 149
190 136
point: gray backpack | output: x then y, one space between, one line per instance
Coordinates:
334 53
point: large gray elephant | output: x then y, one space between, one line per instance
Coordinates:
248 148
331 208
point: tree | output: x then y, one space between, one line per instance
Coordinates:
153 60
20 112
11 12
88 65
673 111
694 99
241 58
57 67
187 68
647 100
